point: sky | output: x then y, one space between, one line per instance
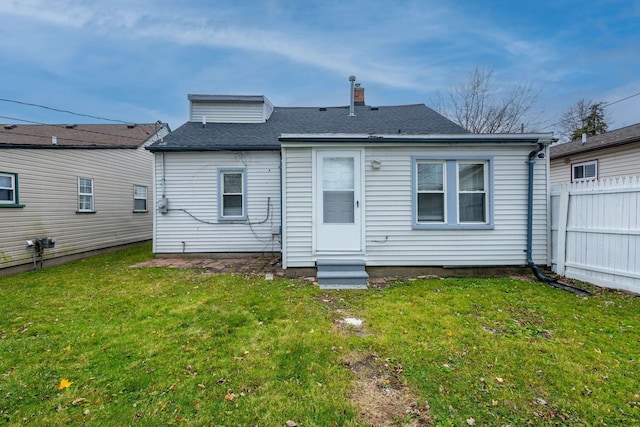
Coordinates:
136 60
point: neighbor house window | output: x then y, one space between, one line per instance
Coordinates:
85 195
139 198
232 194
585 171
452 193
9 190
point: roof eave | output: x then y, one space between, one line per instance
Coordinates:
589 149
175 149
426 138
67 147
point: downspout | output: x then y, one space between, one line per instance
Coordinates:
534 268
281 211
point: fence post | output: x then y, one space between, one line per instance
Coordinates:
563 216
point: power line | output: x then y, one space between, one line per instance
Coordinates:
604 105
62 111
71 129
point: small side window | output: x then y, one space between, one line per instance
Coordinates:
232 194
8 189
139 198
85 195
585 171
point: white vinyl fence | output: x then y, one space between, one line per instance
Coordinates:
595 232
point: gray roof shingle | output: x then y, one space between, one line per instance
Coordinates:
76 136
625 135
402 119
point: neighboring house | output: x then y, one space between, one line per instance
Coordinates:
342 188
66 190
613 154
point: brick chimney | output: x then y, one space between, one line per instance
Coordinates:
358 95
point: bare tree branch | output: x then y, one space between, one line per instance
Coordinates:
476 105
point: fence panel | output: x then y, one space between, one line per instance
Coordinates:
595 232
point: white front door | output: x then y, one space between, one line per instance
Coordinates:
338 195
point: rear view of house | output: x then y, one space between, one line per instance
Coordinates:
348 188
66 190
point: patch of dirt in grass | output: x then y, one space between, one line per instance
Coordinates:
263 264
383 398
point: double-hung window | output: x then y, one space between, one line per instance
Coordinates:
85 195
431 192
9 190
452 193
472 192
585 171
232 194
139 198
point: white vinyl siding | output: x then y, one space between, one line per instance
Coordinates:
192 223
48 180
230 112
298 208
613 162
390 236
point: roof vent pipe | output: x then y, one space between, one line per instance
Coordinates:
204 121
352 79
584 138
54 140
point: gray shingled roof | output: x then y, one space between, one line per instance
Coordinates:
402 119
625 135
76 136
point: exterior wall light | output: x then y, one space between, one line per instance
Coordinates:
375 164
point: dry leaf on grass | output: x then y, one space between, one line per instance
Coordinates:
64 383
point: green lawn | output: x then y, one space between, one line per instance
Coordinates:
97 342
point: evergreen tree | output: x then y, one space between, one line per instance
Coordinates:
594 123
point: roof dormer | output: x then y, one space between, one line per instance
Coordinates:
229 108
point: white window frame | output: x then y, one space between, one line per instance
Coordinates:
137 197
484 190
584 165
82 194
13 188
222 194
443 191
452 193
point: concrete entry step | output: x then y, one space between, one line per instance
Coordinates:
342 274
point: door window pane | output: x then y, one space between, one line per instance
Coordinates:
338 207
337 173
338 190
